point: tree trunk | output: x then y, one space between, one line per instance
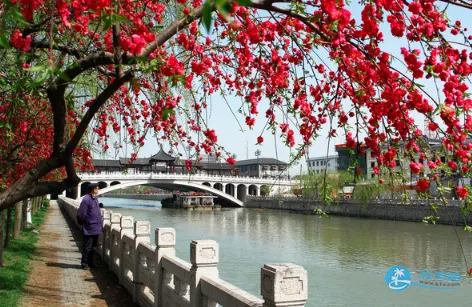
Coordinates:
2 231
24 214
18 221
8 229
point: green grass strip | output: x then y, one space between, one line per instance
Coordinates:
17 260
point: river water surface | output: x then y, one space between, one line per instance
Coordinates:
346 258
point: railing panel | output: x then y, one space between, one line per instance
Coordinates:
178 267
226 294
171 298
115 251
127 263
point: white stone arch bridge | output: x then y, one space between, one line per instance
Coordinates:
231 190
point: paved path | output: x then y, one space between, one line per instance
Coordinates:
56 278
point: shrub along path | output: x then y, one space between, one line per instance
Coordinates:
56 278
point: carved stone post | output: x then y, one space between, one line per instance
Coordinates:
142 230
115 224
204 256
126 224
165 245
284 284
106 217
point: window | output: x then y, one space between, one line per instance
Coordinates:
317 163
372 175
372 164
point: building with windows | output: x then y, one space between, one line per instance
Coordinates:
262 167
402 163
349 158
319 164
165 163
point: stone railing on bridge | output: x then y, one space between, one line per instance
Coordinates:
155 276
155 175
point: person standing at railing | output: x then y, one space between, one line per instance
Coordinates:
90 218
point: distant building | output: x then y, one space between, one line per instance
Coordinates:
349 158
262 167
402 163
319 164
163 162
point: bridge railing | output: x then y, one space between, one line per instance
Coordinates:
156 175
156 277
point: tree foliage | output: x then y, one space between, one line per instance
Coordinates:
85 66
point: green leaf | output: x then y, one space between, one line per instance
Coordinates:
36 68
207 9
107 22
243 2
118 18
4 41
167 113
43 78
17 16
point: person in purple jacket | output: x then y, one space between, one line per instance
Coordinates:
92 225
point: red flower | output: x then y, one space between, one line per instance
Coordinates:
230 161
415 167
462 192
188 164
423 185
432 165
260 139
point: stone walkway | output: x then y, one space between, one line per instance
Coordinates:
56 278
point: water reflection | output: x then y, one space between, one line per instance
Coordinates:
346 258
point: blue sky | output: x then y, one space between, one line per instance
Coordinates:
243 144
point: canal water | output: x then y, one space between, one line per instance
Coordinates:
346 258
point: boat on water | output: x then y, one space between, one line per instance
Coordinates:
191 200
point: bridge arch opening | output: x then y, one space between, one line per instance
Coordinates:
230 189
253 190
102 185
265 190
207 184
218 186
83 188
114 183
242 192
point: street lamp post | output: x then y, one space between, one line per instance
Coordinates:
117 148
258 153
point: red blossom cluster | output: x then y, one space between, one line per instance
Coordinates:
272 63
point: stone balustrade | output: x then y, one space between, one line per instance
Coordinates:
155 276
155 175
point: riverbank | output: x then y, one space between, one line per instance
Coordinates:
17 259
139 196
394 210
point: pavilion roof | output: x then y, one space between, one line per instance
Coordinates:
162 156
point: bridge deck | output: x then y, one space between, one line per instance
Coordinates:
56 278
